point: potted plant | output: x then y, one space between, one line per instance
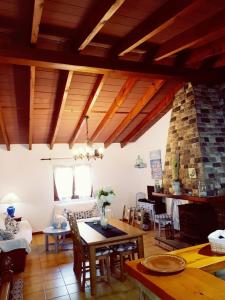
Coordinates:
146 221
175 173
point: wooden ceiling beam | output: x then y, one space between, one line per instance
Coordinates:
63 90
192 36
220 61
103 12
120 98
31 105
4 131
165 102
86 63
100 40
209 62
38 9
151 91
154 24
88 106
215 48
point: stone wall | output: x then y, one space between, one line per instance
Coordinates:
196 132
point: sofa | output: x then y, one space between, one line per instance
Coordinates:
18 247
85 209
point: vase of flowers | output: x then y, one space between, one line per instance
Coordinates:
105 197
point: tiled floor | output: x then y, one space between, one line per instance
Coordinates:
50 276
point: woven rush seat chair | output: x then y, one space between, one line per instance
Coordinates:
121 253
164 219
81 256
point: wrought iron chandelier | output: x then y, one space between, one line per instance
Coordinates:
89 150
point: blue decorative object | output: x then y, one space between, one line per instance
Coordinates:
55 225
11 211
64 225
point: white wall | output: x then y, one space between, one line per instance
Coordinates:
22 172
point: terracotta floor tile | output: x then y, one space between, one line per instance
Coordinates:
50 276
73 288
69 279
56 292
50 284
35 296
67 297
32 288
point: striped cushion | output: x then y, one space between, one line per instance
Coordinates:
125 247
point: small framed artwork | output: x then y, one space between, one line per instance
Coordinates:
156 164
192 173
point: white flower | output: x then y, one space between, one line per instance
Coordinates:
108 189
110 198
103 198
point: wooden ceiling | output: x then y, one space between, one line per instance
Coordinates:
118 61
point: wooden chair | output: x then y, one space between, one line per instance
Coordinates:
125 251
121 253
164 220
81 256
127 214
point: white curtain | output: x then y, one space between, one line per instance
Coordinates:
69 177
83 180
64 182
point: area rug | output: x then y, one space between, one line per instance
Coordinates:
17 290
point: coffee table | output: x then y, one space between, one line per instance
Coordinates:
59 236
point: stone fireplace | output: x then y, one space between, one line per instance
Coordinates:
197 134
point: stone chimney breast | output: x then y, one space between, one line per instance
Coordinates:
196 133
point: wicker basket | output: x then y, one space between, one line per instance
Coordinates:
217 244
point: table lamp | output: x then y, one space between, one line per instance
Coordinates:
10 199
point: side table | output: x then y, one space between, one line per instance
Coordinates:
58 235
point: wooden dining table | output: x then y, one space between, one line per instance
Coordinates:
95 240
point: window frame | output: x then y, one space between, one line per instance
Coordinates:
73 166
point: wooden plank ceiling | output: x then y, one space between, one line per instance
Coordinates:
118 61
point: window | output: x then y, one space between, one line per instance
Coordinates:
72 181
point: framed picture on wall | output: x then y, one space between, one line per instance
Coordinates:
156 164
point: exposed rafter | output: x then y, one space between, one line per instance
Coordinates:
31 104
149 119
38 9
100 40
88 107
220 61
209 62
151 91
85 63
215 48
4 132
154 24
192 36
120 98
63 89
103 13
